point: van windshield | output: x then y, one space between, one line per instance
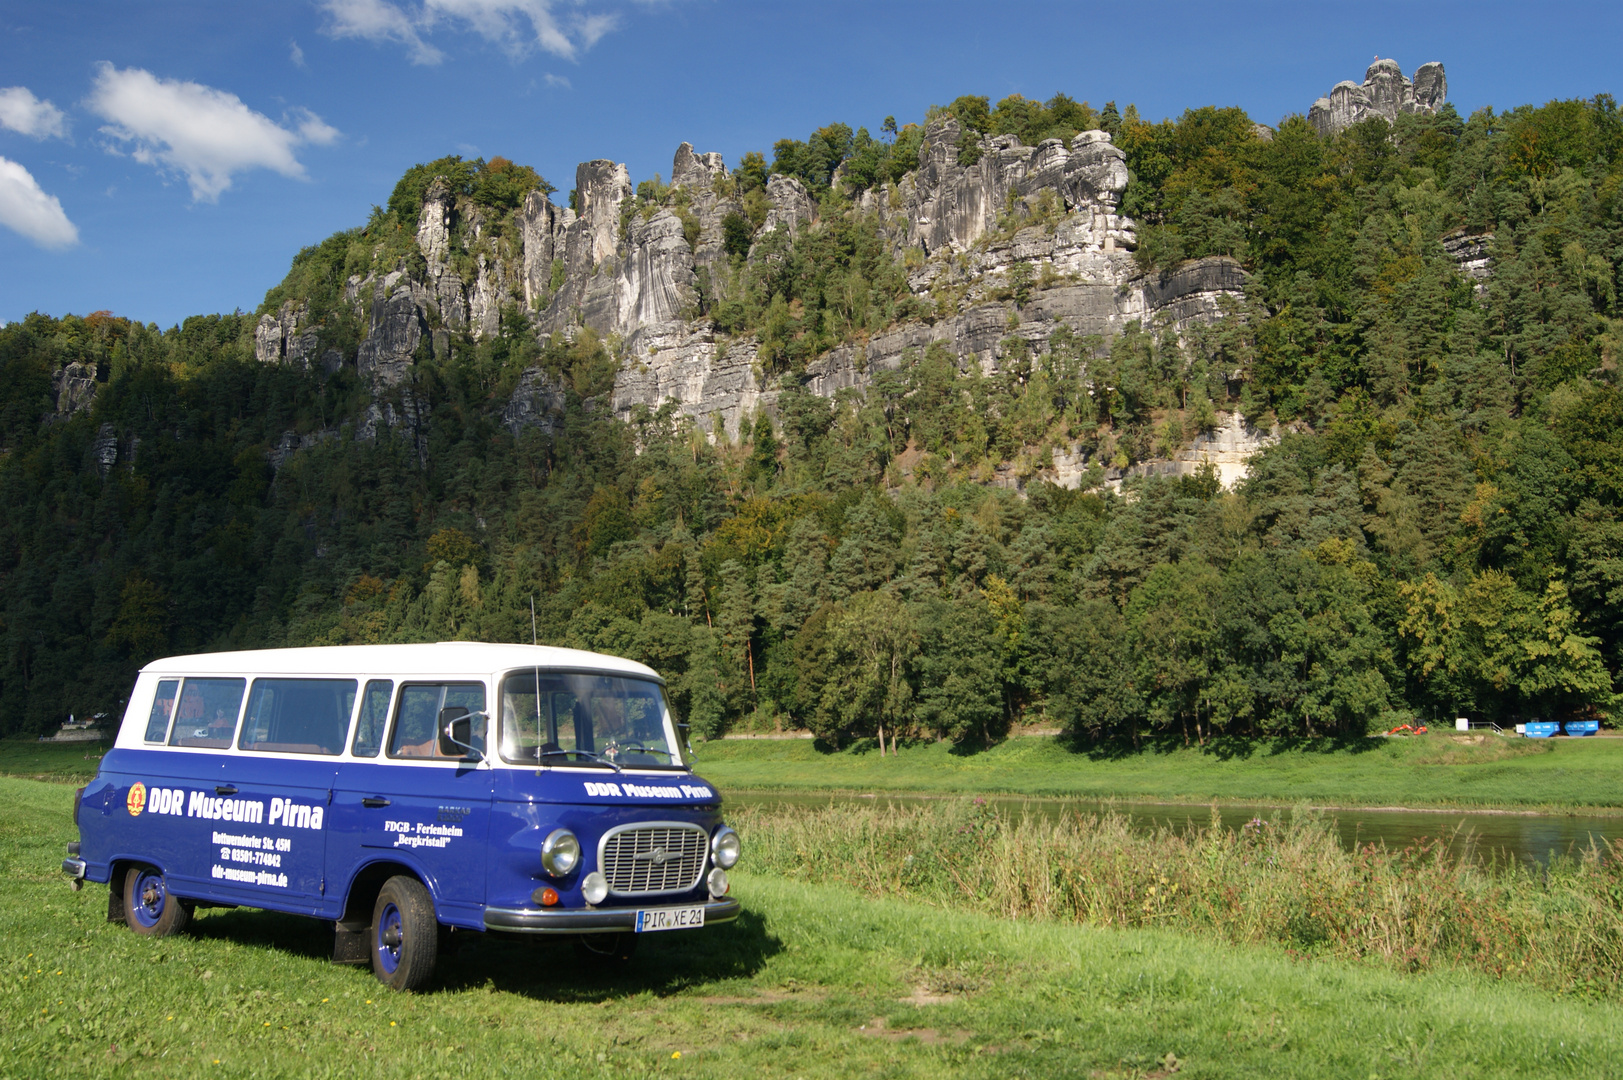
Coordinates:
604 721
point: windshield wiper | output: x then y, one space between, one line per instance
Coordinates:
587 754
639 748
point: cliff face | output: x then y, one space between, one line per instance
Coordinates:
632 272
1385 92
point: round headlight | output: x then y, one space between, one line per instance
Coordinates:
560 852
726 848
717 881
595 888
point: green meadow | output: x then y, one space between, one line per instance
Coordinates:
1430 770
816 980
1481 771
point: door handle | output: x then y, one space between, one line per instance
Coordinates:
375 801
225 789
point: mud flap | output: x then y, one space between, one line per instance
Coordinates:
349 942
115 899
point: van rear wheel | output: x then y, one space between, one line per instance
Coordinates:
149 909
405 934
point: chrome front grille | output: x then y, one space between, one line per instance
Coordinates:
645 860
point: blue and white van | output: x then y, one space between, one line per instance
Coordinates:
403 791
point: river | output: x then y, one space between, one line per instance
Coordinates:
1531 837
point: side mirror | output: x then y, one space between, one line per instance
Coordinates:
456 733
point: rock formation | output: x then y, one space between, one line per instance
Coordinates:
1469 250
633 272
1385 93
73 389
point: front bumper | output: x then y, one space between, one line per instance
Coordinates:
590 920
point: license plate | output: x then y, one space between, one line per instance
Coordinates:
669 918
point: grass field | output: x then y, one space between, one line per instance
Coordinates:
814 981
1435 770
50 761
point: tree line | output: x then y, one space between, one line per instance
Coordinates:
1438 531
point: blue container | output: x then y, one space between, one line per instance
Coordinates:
1543 729
1582 727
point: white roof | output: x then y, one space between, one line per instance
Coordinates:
472 658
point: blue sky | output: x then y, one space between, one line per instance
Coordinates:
167 159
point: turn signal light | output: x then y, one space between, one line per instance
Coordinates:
548 897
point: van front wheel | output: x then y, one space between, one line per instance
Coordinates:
149 909
405 934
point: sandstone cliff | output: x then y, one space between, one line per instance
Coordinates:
631 270
1385 93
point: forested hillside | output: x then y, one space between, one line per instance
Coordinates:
1438 530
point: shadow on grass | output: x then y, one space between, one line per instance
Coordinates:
290 934
1221 747
543 968
549 969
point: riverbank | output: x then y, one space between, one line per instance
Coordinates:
1477 773
1286 880
816 980
1482 772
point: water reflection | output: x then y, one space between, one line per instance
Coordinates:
1529 837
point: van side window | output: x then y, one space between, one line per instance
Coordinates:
298 716
207 713
416 722
163 707
374 715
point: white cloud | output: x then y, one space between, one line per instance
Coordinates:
208 134
27 210
591 28
556 80
313 129
21 111
377 20
519 26
295 54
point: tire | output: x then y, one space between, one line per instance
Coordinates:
405 935
613 947
149 909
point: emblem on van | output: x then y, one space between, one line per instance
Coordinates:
137 800
658 856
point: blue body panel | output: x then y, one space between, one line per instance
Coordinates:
262 844
529 804
295 833
436 821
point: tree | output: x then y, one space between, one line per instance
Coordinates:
1172 617
872 641
960 670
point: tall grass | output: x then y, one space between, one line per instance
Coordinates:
1287 881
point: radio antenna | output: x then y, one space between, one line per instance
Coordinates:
548 736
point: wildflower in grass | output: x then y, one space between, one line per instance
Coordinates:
676 1053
